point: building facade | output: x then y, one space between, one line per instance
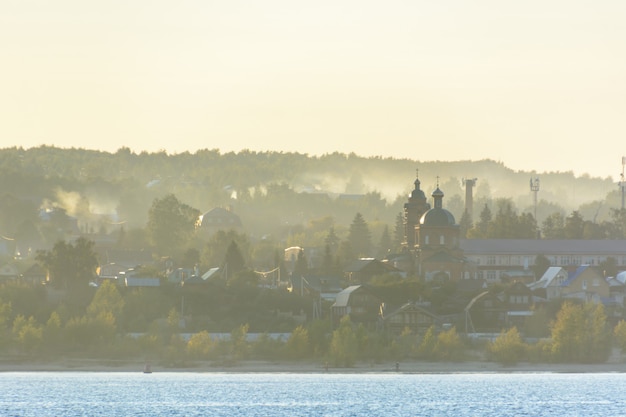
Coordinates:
494 259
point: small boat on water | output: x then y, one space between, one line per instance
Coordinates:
147 369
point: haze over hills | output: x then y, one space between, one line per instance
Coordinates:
123 184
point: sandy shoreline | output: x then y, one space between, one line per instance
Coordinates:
91 365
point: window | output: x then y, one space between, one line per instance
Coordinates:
441 240
584 284
426 240
491 260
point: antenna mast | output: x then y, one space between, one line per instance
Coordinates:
534 187
621 182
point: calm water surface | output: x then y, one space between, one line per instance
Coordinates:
222 394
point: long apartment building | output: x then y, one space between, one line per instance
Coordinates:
494 259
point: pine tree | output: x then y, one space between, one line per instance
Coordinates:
385 245
398 231
360 237
233 261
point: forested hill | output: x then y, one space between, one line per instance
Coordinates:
123 184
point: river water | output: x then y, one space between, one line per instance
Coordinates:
324 394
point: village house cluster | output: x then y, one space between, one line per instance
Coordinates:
432 249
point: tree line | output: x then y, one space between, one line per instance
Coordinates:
580 333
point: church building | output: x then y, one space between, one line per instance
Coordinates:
432 237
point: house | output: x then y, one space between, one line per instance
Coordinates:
617 288
364 269
325 286
519 301
526 276
587 284
142 282
486 312
35 274
492 312
182 275
131 278
314 257
115 261
218 219
357 302
8 272
212 274
454 297
549 285
412 315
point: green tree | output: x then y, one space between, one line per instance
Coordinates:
214 251
106 300
302 264
426 348
343 345
398 231
245 278
619 332
88 331
538 325
541 265
331 239
481 228
298 343
200 345
405 344
171 224
233 261
526 227
239 342
360 237
504 225
617 226
28 333
574 226
319 336
449 346
553 227
609 267
70 265
52 332
508 348
580 334
384 246
465 224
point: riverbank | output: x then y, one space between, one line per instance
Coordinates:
95 365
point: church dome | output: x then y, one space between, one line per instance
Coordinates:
437 216
417 193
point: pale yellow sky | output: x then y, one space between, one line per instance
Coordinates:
537 85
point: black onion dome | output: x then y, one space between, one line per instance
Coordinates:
417 193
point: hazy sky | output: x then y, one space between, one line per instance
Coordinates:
537 85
